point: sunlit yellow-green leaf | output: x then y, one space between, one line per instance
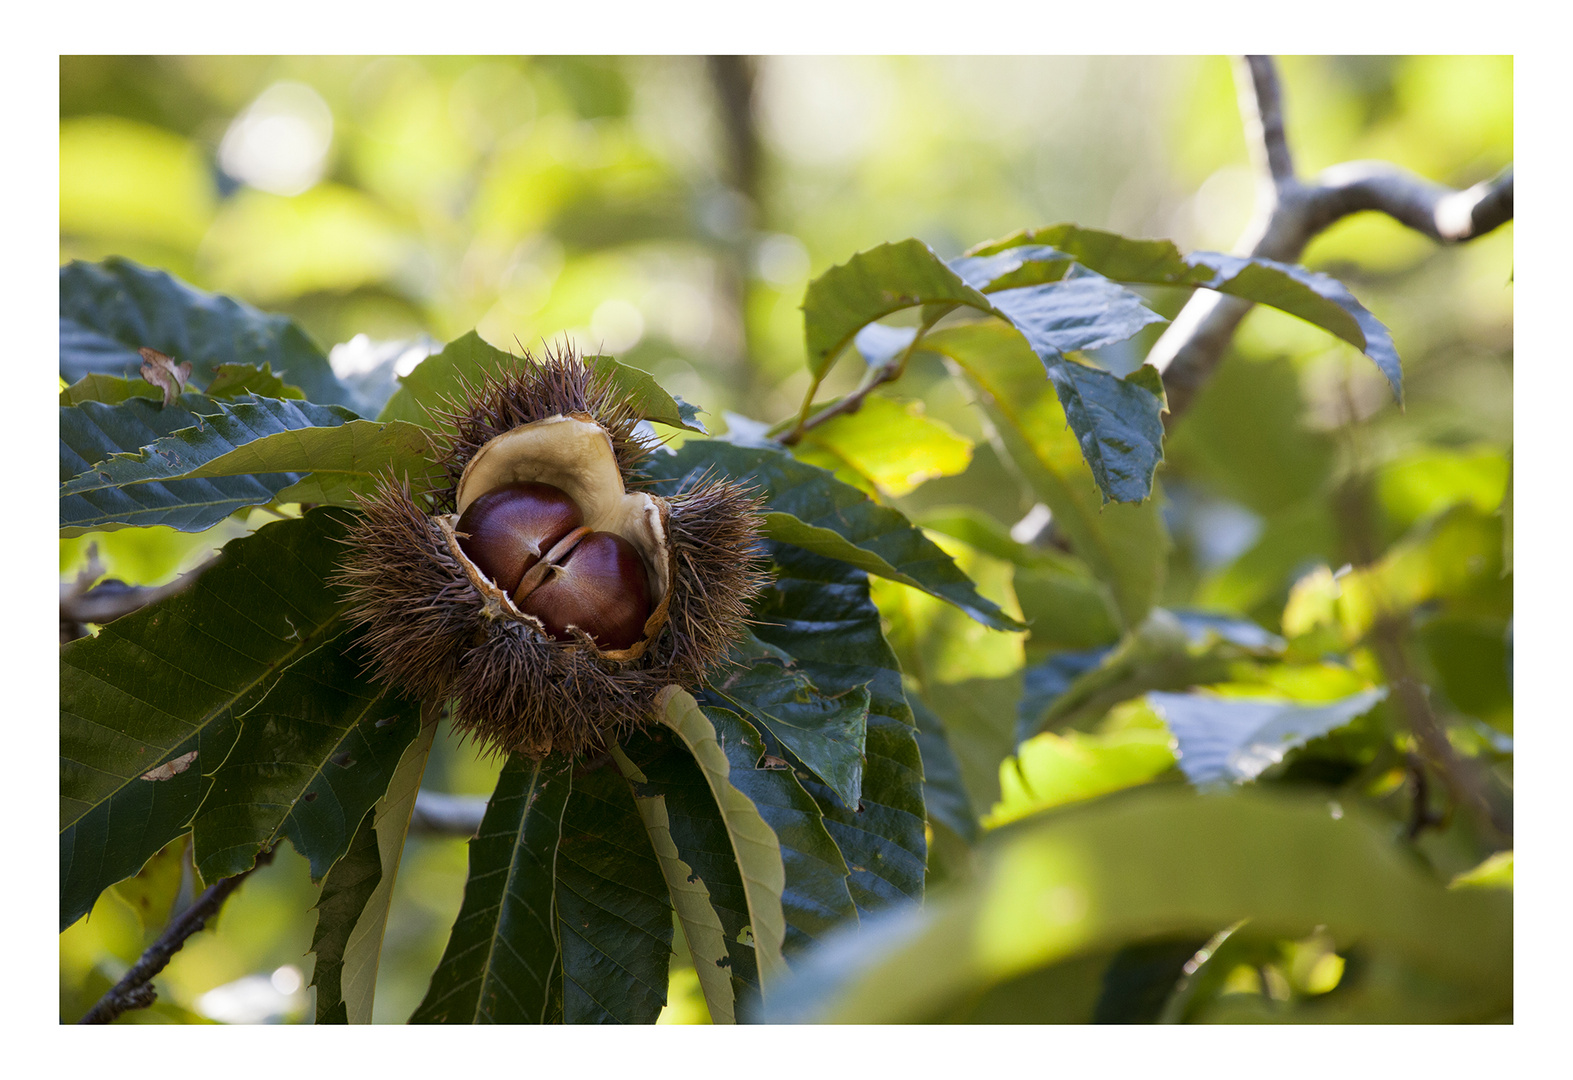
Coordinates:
890 445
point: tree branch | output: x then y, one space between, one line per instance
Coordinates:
134 990
437 814
109 600
1290 214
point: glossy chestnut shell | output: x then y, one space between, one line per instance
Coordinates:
601 587
507 531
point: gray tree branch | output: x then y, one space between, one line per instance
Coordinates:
437 814
1291 213
135 991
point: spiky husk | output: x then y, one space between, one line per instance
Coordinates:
558 384
429 631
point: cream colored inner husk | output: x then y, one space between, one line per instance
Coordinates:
574 453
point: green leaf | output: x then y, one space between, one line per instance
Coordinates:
1154 262
1168 651
152 891
1051 770
1124 545
362 954
820 614
1116 420
755 847
701 834
109 389
815 898
886 446
813 510
441 378
238 380
702 929
977 529
188 429
311 758
614 918
873 284
1318 299
165 682
1118 423
945 797
502 963
825 733
111 309
565 915
331 456
219 430
1235 739
345 892
1167 862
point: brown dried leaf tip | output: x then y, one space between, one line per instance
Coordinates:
439 627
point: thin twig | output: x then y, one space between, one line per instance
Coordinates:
134 990
109 600
1291 213
888 372
1463 778
849 404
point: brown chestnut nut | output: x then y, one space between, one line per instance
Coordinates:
509 529
600 586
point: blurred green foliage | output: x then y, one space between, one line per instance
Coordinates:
608 199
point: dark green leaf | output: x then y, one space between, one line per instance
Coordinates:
502 963
92 432
160 684
700 836
1235 739
813 510
1125 546
1138 981
331 457
184 451
1118 423
703 932
1155 262
1166 862
109 310
1076 314
755 846
945 797
825 733
1318 299
614 919
362 953
815 898
819 612
311 759
345 891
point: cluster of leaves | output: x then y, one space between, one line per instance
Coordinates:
881 727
